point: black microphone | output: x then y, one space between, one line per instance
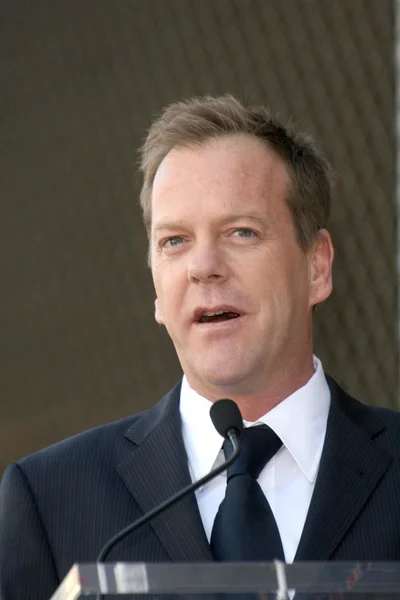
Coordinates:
228 421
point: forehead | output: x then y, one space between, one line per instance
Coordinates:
228 170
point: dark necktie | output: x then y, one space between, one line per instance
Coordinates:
245 528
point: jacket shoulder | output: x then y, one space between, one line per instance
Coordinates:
102 446
379 422
88 446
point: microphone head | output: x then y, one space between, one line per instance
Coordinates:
225 416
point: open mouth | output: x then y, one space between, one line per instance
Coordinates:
217 316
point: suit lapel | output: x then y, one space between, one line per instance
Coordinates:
155 470
351 467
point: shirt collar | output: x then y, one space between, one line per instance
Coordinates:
299 420
202 441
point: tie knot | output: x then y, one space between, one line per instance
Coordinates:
258 445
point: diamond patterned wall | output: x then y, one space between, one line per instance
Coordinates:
80 82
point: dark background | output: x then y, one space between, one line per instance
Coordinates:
80 81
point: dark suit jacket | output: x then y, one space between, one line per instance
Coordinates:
60 505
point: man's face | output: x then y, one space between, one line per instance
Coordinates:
223 241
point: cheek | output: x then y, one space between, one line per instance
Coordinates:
286 284
158 312
170 292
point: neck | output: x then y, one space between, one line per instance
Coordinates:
254 406
256 401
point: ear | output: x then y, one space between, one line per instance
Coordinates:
158 312
321 259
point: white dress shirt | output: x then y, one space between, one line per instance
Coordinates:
288 479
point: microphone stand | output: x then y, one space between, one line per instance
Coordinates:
233 437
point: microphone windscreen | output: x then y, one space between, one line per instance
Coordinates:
225 415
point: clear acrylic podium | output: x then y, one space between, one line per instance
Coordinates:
322 581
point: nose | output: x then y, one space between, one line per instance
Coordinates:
206 264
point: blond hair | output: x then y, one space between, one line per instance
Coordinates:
195 121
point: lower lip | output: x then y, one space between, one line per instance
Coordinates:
228 325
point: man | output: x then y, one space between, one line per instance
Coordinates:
236 208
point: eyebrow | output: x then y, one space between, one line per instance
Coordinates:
180 224
169 226
255 217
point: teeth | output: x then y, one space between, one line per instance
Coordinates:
209 313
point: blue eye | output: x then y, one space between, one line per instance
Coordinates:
173 241
244 232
